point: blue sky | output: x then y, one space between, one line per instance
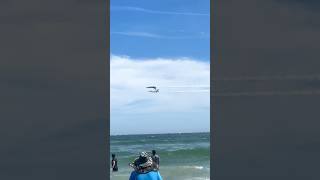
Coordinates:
166 28
164 43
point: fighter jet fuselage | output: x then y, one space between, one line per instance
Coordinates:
153 87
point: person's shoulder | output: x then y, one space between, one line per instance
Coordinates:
133 175
158 175
153 173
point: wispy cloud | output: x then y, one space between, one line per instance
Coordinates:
193 91
276 77
138 9
139 34
157 36
183 82
269 93
190 86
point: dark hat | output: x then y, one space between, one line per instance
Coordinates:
143 161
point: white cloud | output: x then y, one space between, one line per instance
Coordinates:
183 83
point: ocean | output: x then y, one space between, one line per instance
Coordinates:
183 156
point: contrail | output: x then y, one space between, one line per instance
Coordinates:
268 93
140 34
265 78
191 91
189 86
153 35
138 9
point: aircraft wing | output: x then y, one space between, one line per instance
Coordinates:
151 87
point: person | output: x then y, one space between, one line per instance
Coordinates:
156 159
114 163
144 168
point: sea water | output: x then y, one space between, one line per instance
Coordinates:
183 156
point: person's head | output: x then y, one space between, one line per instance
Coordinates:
113 156
144 161
153 152
143 157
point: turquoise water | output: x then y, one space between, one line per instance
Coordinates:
182 156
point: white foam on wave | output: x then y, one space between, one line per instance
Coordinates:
198 167
120 175
198 178
193 167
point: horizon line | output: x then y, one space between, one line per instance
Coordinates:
160 133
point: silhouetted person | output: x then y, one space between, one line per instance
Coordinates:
155 159
114 163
